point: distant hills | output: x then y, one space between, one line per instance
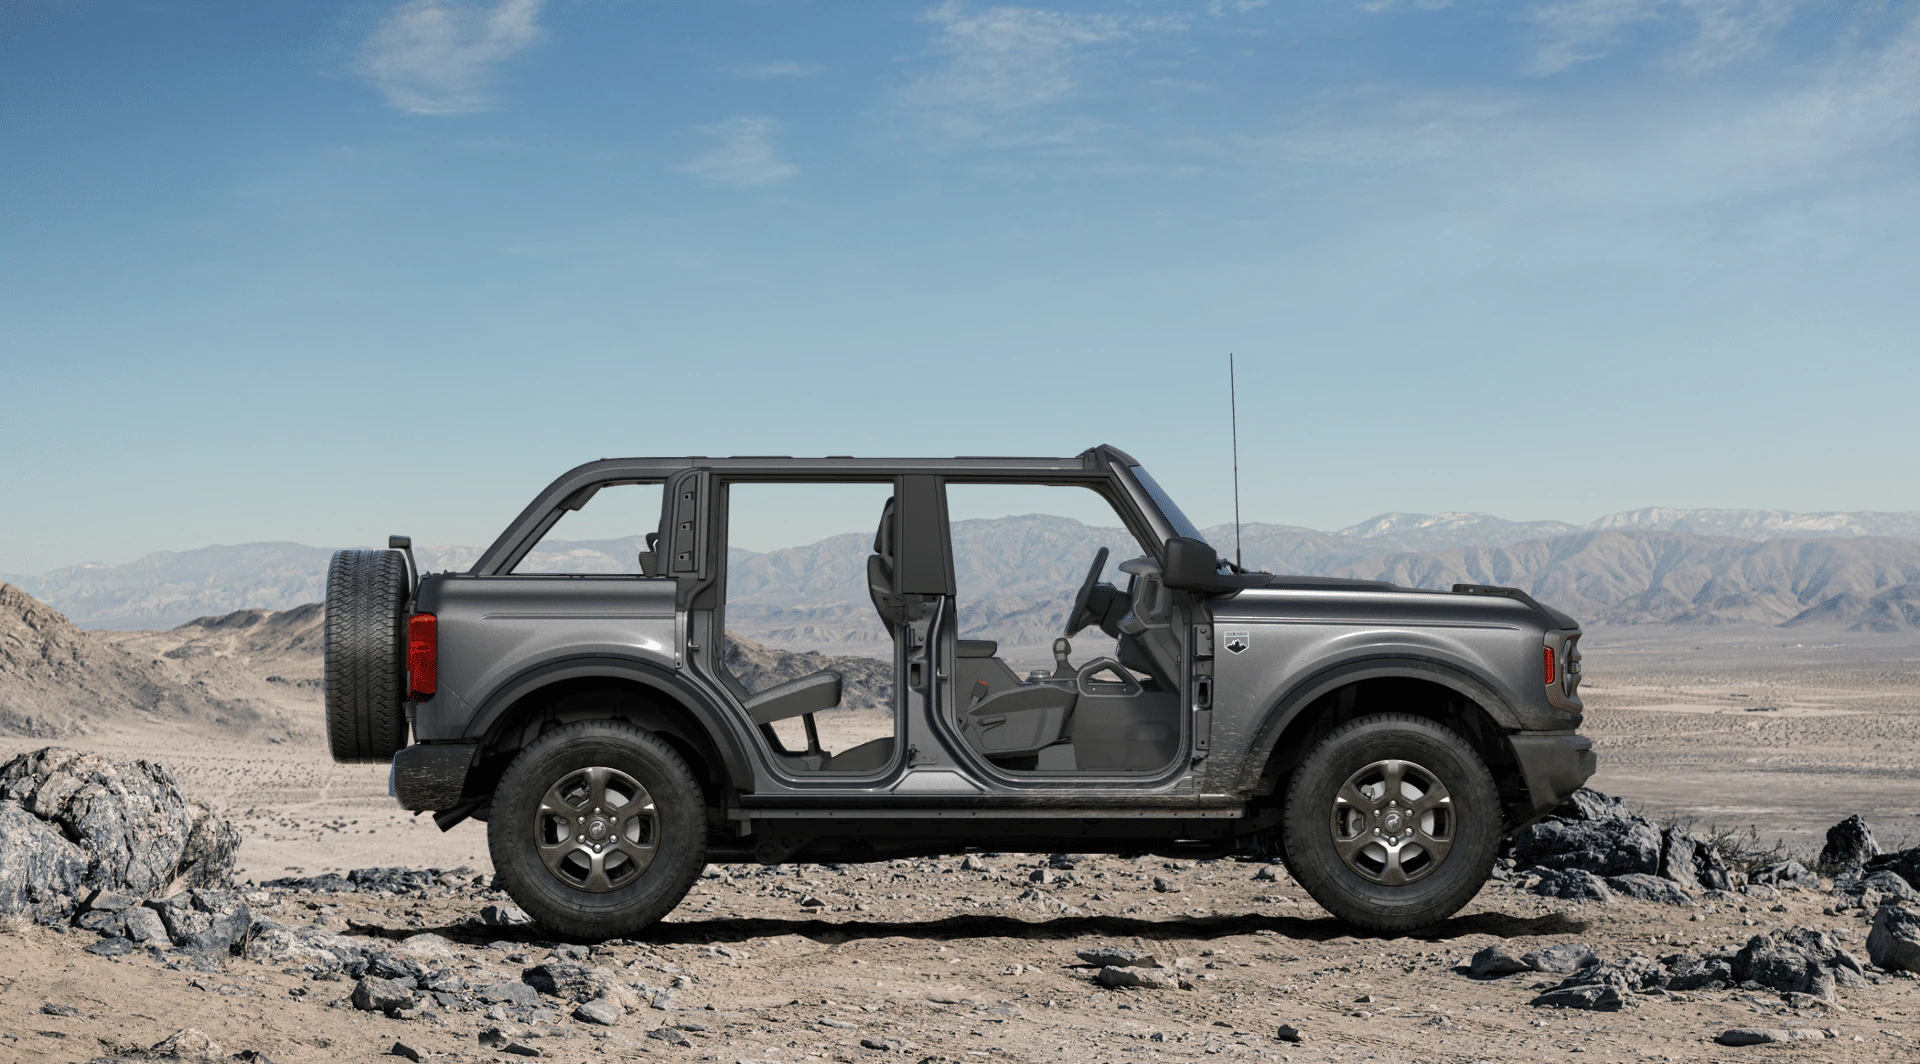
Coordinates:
1645 566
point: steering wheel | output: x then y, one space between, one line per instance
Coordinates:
1079 616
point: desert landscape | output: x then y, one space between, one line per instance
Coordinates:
1752 738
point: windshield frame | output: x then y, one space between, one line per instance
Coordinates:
1169 512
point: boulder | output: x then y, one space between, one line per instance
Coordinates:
1691 861
1644 887
1849 846
580 983
1576 885
40 871
127 826
1605 848
1688 972
1759 1036
1903 863
1600 988
1800 961
1878 885
599 1011
1894 942
374 994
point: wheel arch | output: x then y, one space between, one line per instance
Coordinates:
1425 687
640 692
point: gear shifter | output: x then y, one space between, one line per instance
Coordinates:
1062 668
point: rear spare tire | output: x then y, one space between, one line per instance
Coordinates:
365 670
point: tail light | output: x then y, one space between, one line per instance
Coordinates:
423 656
1550 672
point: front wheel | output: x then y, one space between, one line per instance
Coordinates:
598 829
1392 822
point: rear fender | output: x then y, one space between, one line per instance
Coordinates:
493 714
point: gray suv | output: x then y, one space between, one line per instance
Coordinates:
1380 740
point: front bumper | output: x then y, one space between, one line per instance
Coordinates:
1554 765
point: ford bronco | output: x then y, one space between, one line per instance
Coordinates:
1379 740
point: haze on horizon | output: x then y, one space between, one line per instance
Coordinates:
322 272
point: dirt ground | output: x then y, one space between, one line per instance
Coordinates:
926 961
941 963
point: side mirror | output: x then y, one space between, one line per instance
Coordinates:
1191 565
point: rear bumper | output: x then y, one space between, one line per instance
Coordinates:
432 775
1554 765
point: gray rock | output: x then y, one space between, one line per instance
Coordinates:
187 1044
1881 884
136 831
1593 833
40 871
1290 1033
104 924
1644 887
374 994
1759 1036
111 901
1782 966
401 1049
1601 988
223 934
504 916
112 947
1494 962
1692 862
509 993
1903 863
599 1011
1574 885
1111 956
1782 874
51 1009
1163 885
974 864
1849 845
1687 972
671 1035
1142 978
1563 959
1894 942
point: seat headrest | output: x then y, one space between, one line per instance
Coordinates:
883 536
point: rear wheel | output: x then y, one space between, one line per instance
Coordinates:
598 829
1392 822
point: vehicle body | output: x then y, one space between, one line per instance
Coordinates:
1229 681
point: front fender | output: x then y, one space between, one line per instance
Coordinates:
670 685
1286 707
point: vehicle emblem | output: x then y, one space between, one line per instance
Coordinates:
1238 642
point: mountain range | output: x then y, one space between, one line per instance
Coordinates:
1644 566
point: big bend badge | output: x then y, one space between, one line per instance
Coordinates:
1237 642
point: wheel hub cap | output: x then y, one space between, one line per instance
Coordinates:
596 829
1393 822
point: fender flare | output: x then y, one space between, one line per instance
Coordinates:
1286 709
710 717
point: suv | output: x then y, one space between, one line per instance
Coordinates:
1380 740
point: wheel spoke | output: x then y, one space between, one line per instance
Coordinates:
1436 796
1393 875
597 873
554 856
555 802
597 788
1349 849
1350 795
1393 772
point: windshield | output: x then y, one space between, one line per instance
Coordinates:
1168 508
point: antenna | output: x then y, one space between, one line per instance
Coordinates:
1233 408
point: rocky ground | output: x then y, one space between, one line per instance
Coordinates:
983 958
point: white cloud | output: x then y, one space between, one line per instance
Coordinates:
782 68
435 57
745 156
1719 31
1004 75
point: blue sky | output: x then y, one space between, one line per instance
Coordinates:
321 272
